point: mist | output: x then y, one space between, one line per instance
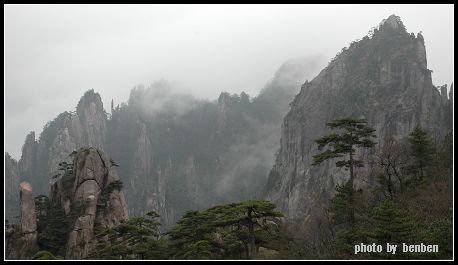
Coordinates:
162 96
54 53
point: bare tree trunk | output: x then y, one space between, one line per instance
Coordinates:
399 177
390 182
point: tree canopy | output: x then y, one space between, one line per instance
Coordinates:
224 231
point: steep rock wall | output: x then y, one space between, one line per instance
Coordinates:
382 78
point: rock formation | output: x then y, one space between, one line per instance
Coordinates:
68 132
11 189
27 163
383 78
443 91
21 239
28 216
89 191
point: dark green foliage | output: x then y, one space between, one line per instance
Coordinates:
439 232
346 238
202 249
41 208
352 132
392 224
136 238
52 234
421 149
229 231
106 192
341 204
420 213
347 216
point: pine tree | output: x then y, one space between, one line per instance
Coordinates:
135 238
341 204
348 234
51 237
421 149
225 231
352 132
392 225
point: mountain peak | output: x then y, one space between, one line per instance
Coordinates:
393 22
90 97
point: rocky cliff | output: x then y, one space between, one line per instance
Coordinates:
68 132
11 189
383 78
89 192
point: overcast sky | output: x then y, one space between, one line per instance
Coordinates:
54 53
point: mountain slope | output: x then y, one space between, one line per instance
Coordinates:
383 78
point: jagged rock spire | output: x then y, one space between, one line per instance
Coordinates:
28 217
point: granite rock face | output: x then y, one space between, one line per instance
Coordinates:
28 219
383 78
28 216
90 197
66 133
92 118
21 239
27 163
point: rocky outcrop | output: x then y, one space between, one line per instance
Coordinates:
443 92
21 239
28 216
11 189
382 78
89 191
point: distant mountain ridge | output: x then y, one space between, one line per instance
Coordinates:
175 152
